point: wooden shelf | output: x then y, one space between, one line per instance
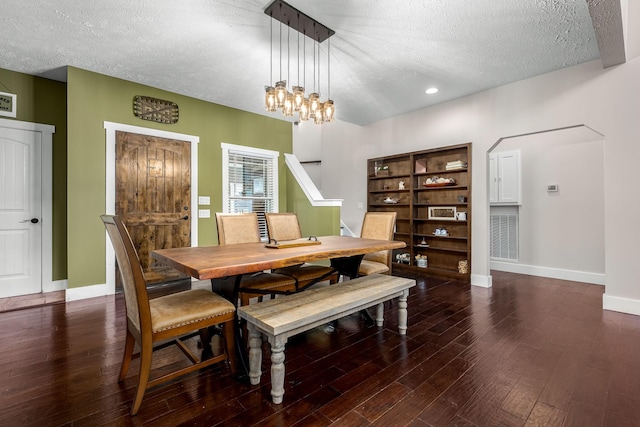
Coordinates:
389 176
440 172
444 252
445 187
436 248
406 190
433 236
425 205
429 271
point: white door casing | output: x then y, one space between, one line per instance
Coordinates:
25 195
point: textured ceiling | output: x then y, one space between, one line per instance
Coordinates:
384 55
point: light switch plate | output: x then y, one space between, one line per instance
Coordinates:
204 200
204 213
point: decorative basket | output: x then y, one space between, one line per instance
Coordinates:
463 267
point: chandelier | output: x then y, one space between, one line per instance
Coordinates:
292 99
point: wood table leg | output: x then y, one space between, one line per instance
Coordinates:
255 354
380 314
277 368
402 312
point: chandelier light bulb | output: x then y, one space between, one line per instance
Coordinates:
304 110
287 109
328 111
298 97
314 103
270 99
318 117
281 93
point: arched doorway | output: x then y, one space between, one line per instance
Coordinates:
556 227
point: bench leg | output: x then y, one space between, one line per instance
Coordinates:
380 314
255 354
402 312
277 368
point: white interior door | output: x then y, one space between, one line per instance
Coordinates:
20 212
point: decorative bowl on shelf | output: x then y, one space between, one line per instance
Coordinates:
390 201
436 181
440 232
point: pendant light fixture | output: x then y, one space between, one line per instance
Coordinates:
278 96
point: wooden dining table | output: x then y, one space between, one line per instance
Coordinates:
224 265
210 262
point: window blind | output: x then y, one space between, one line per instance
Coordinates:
251 184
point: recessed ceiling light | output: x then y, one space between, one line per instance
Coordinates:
431 90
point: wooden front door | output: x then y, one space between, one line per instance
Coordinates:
153 197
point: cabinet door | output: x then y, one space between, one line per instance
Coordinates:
493 178
509 177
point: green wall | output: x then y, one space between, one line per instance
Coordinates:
78 110
95 98
44 101
314 221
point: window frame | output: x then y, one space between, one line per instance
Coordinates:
261 153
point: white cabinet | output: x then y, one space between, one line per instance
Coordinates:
504 178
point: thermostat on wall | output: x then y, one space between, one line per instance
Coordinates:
552 187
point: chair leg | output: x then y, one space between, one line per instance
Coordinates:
230 345
129 343
146 349
205 341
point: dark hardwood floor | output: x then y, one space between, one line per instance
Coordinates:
529 351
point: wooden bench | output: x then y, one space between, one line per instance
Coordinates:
289 315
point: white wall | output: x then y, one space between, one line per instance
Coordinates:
561 234
606 100
307 148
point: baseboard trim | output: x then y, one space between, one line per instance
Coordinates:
553 273
84 292
622 305
56 285
481 281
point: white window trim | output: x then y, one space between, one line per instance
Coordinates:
249 151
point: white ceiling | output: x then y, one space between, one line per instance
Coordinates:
385 53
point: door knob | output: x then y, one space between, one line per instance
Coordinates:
186 217
32 220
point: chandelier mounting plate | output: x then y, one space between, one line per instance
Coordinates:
299 21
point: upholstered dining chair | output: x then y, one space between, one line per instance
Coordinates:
243 228
170 317
285 226
377 225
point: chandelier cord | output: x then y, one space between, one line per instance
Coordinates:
280 38
319 87
271 52
298 49
329 69
288 39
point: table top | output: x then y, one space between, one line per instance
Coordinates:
209 262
